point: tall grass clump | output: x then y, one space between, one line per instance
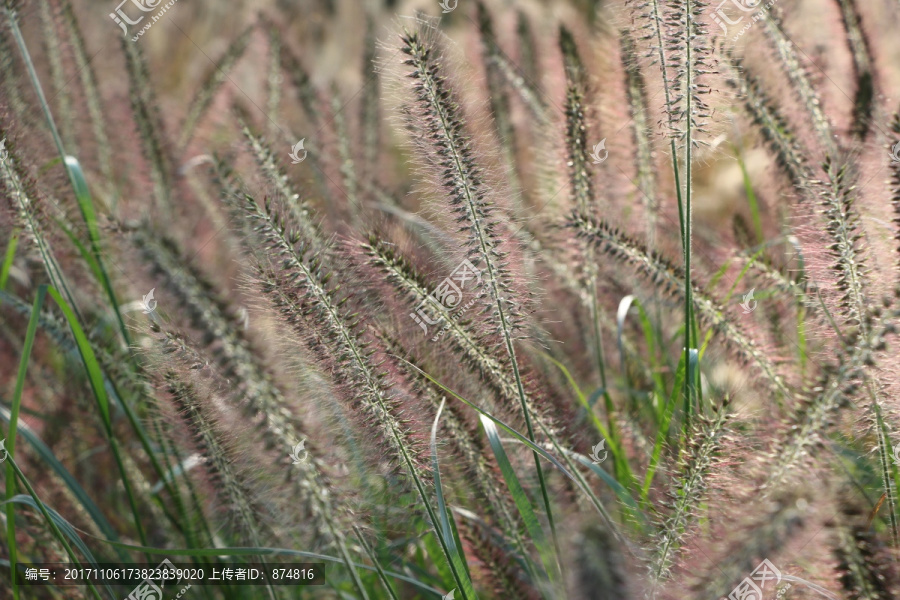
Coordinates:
570 300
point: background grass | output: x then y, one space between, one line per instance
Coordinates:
678 361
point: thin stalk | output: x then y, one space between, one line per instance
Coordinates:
684 201
452 145
382 576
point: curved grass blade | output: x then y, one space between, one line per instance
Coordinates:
54 520
526 511
620 491
46 454
577 478
448 531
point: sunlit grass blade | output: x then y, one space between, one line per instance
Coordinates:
588 405
662 432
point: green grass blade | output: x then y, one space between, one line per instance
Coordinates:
448 531
95 377
46 454
571 473
620 491
662 433
523 504
82 250
51 520
751 199
585 404
382 575
86 206
8 258
10 443
62 526
622 466
112 388
73 170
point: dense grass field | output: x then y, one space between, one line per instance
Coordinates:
450 299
